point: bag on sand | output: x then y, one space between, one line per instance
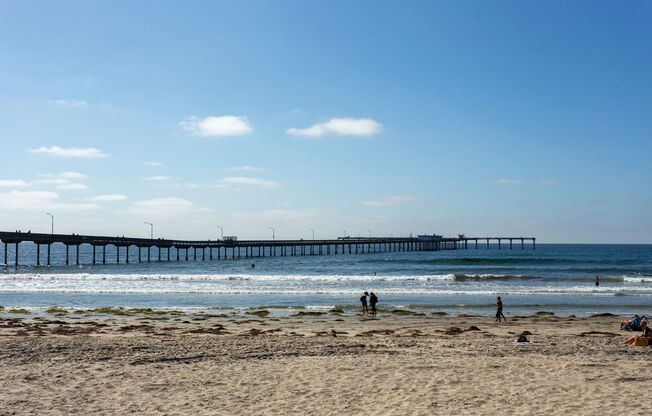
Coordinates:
632 325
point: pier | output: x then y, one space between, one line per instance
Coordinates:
150 249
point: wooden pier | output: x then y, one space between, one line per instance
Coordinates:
177 250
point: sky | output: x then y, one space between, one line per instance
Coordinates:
510 118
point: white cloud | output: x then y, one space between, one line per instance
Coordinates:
506 182
153 164
276 214
72 175
390 201
340 127
13 183
71 186
63 180
70 103
247 181
26 200
246 168
158 178
74 207
38 200
215 126
375 219
549 181
108 198
229 181
52 181
164 207
86 152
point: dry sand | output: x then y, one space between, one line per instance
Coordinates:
198 365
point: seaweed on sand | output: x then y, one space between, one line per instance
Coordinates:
55 310
406 312
309 313
261 313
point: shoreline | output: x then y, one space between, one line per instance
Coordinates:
232 365
283 311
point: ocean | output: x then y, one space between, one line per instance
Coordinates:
555 277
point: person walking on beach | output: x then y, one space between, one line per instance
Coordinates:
597 281
499 310
363 300
373 300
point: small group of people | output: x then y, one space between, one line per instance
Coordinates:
373 301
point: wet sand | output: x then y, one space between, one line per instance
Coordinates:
249 365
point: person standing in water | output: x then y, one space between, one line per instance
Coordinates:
373 300
597 281
499 310
363 300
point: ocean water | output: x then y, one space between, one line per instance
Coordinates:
554 277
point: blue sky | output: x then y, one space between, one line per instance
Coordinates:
510 118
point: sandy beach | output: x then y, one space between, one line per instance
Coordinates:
393 365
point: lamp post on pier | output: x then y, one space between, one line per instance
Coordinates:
369 233
313 232
273 233
151 230
51 222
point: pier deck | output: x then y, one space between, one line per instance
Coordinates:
222 249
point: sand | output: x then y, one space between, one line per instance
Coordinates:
393 365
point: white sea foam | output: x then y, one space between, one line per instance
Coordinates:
246 288
221 277
638 279
259 277
306 284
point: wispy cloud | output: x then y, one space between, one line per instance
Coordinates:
70 103
277 214
247 181
107 198
164 207
374 219
72 175
172 182
63 180
86 152
549 181
506 182
151 163
38 200
158 178
13 183
71 186
216 126
390 201
226 182
340 127
246 168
